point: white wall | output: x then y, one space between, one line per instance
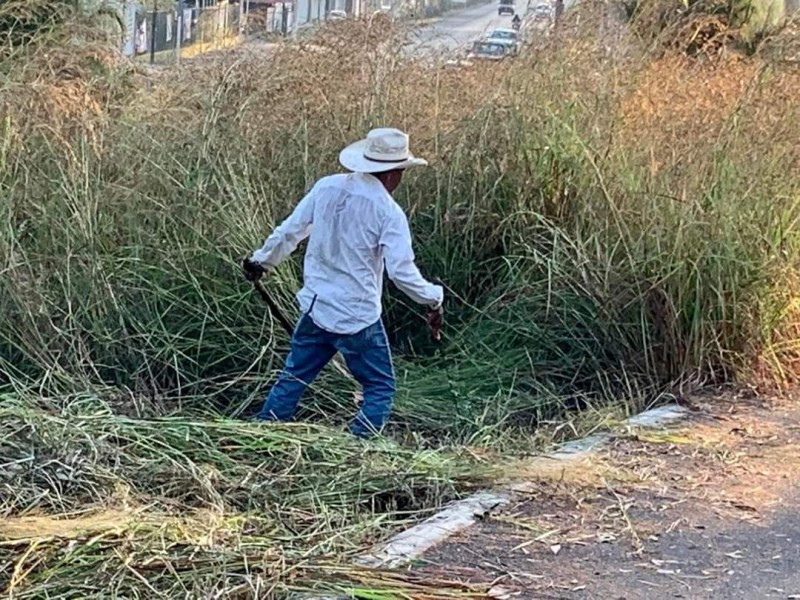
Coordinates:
309 11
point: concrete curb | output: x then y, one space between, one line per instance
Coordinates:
412 543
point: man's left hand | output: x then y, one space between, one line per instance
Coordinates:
252 270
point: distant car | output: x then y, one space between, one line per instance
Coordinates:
507 37
336 15
506 7
541 12
486 50
503 35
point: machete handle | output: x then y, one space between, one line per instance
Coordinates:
273 307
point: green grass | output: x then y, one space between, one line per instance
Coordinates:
592 259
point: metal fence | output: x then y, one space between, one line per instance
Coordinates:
270 17
170 33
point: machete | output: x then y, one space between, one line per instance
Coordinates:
273 307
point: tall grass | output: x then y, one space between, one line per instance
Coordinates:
585 262
610 227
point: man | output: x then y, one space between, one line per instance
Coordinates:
354 227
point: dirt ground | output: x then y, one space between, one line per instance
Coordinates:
708 509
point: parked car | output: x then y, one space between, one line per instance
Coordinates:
506 7
507 37
503 34
540 13
336 15
486 50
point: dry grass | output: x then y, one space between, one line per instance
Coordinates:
680 107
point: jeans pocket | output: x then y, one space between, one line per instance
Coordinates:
374 336
304 326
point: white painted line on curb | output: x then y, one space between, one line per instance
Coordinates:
577 448
412 543
656 417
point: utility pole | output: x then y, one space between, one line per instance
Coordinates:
178 31
153 34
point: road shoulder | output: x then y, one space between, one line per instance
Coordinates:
710 509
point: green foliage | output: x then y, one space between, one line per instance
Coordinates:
271 507
574 275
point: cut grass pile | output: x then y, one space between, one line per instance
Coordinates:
605 239
96 504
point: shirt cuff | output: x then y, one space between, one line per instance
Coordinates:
258 257
437 304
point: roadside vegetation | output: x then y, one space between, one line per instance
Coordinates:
615 222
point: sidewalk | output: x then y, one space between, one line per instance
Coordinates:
710 510
167 57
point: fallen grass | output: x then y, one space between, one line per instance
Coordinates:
188 505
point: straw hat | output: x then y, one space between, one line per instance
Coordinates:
383 150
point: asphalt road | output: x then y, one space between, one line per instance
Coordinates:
458 29
705 510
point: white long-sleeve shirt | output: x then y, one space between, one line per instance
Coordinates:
355 226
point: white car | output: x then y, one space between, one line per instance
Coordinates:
503 34
506 37
486 50
541 12
506 7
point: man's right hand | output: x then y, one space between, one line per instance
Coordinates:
435 319
252 270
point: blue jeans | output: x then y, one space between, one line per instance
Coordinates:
368 358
